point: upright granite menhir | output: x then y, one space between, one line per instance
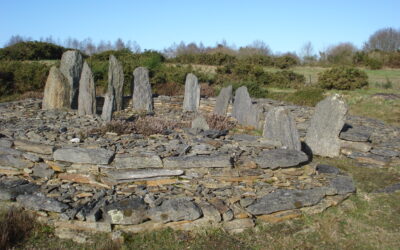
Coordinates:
142 96
71 66
191 100
223 99
57 91
116 81
280 126
327 122
243 109
87 92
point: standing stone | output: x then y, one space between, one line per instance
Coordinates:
243 109
87 92
280 126
56 91
223 99
327 122
106 114
191 101
142 95
116 81
71 66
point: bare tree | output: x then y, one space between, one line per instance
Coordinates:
16 39
387 39
341 53
307 53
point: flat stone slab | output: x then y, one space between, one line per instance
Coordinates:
280 158
9 151
385 152
131 174
9 190
14 161
198 161
177 209
34 147
84 155
126 212
357 134
283 199
327 169
39 201
343 184
126 161
5 143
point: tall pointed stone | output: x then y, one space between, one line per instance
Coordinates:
116 81
223 99
57 91
280 126
142 96
87 92
191 101
327 122
245 112
71 66
108 105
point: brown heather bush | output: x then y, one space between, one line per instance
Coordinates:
15 225
219 122
169 89
207 90
146 125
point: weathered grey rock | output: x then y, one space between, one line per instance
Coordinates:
357 146
107 112
43 171
223 100
356 134
142 96
327 122
175 210
386 152
83 155
276 158
210 213
116 81
200 123
34 147
280 126
283 199
238 225
87 92
191 101
126 161
343 184
9 190
57 91
198 161
327 169
131 174
9 151
243 109
389 189
39 201
14 161
71 67
31 157
126 212
6 143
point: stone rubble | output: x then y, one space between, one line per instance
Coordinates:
183 179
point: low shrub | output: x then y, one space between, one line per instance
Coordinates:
169 89
255 90
218 122
373 63
15 225
286 79
32 51
308 96
342 78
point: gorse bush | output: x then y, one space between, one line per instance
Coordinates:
32 51
18 77
308 96
342 78
255 90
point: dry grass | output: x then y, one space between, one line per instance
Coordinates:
15 226
218 122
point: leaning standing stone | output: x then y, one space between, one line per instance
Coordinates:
116 81
142 95
327 122
223 99
87 92
71 66
56 91
243 109
106 114
191 101
280 126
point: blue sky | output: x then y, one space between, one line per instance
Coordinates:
283 25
